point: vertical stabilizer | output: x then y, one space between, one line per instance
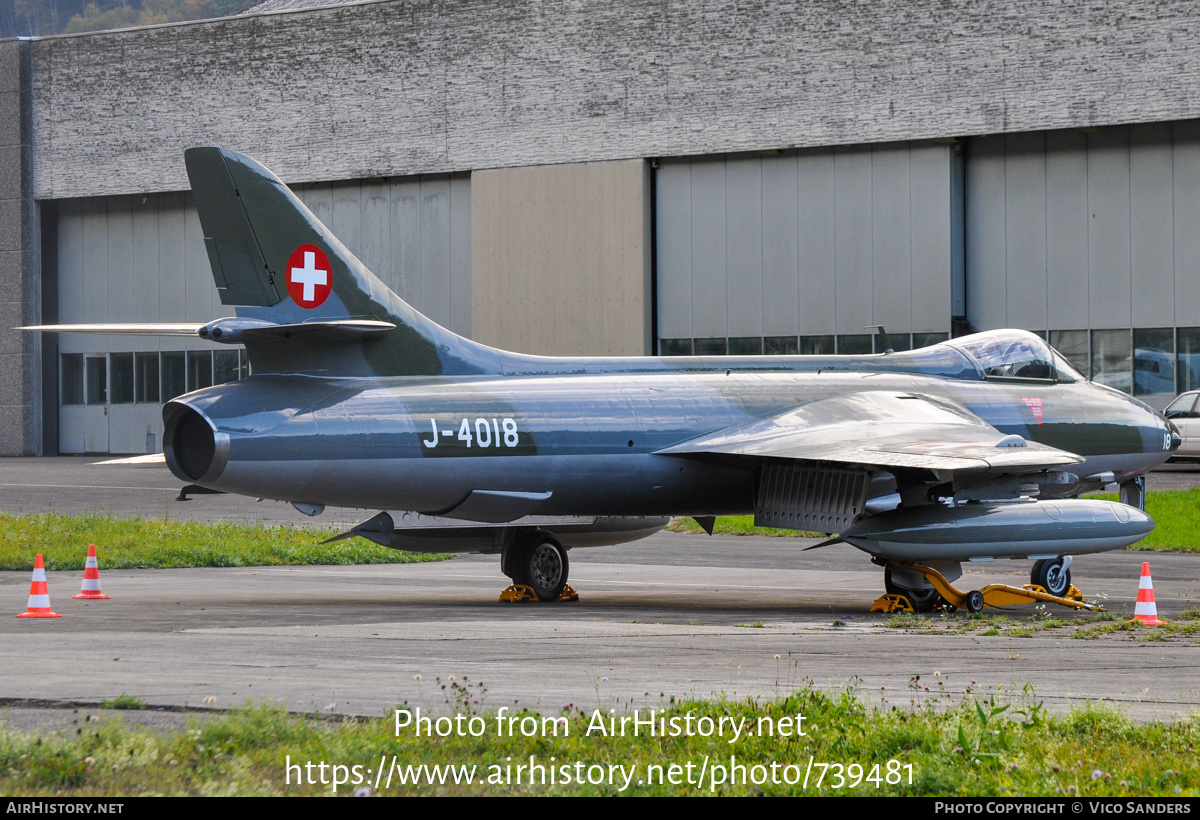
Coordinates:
274 259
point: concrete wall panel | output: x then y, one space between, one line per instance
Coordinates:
853 280
1025 228
933 195
780 249
744 250
559 264
891 239
1067 219
410 87
816 180
1151 230
1109 276
986 234
1186 165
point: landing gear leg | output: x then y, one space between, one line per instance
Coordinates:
1133 492
913 586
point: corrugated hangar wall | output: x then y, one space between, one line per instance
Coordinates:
142 259
808 245
1092 235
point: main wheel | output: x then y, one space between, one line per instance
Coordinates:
542 565
922 600
1051 575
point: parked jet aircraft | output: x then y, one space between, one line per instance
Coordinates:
356 400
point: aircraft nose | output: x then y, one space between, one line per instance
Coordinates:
1176 439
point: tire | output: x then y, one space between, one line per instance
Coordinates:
974 601
922 600
541 564
1050 575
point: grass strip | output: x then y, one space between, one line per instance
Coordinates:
933 744
129 543
1176 514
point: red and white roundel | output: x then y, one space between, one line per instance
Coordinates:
309 276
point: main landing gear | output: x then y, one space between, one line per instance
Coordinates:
1051 583
538 566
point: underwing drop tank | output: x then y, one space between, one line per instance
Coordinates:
1031 529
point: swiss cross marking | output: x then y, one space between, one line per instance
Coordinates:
309 276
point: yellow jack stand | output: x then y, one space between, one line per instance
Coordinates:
993 595
521 594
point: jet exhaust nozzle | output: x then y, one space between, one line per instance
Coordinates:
194 449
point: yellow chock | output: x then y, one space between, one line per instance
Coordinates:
521 594
517 594
891 603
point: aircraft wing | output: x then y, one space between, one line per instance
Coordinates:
883 428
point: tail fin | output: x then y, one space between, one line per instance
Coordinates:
275 260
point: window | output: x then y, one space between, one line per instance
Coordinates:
71 378
921 340
145 377
225 366
1154 362
199 369
780 345
816 345
857 343
1111 359
122 377
746 346
97 379
709 347
173 382
1187 358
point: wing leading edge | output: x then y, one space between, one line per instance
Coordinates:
885 429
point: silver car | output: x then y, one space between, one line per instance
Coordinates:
1185 414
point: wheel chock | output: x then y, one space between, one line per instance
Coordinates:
521 594
517 594
891 603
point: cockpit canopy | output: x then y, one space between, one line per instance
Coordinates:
1015 354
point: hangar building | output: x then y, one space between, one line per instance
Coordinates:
636 177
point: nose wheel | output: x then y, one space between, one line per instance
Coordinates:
1052 575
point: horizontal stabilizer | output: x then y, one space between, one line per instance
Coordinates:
123 329
237 330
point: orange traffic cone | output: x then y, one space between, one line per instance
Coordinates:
91 577
39 595
1145 611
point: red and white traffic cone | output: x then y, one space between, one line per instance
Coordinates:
91 578
39 595
1146 612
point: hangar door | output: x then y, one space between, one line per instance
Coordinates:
780 252
142 259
